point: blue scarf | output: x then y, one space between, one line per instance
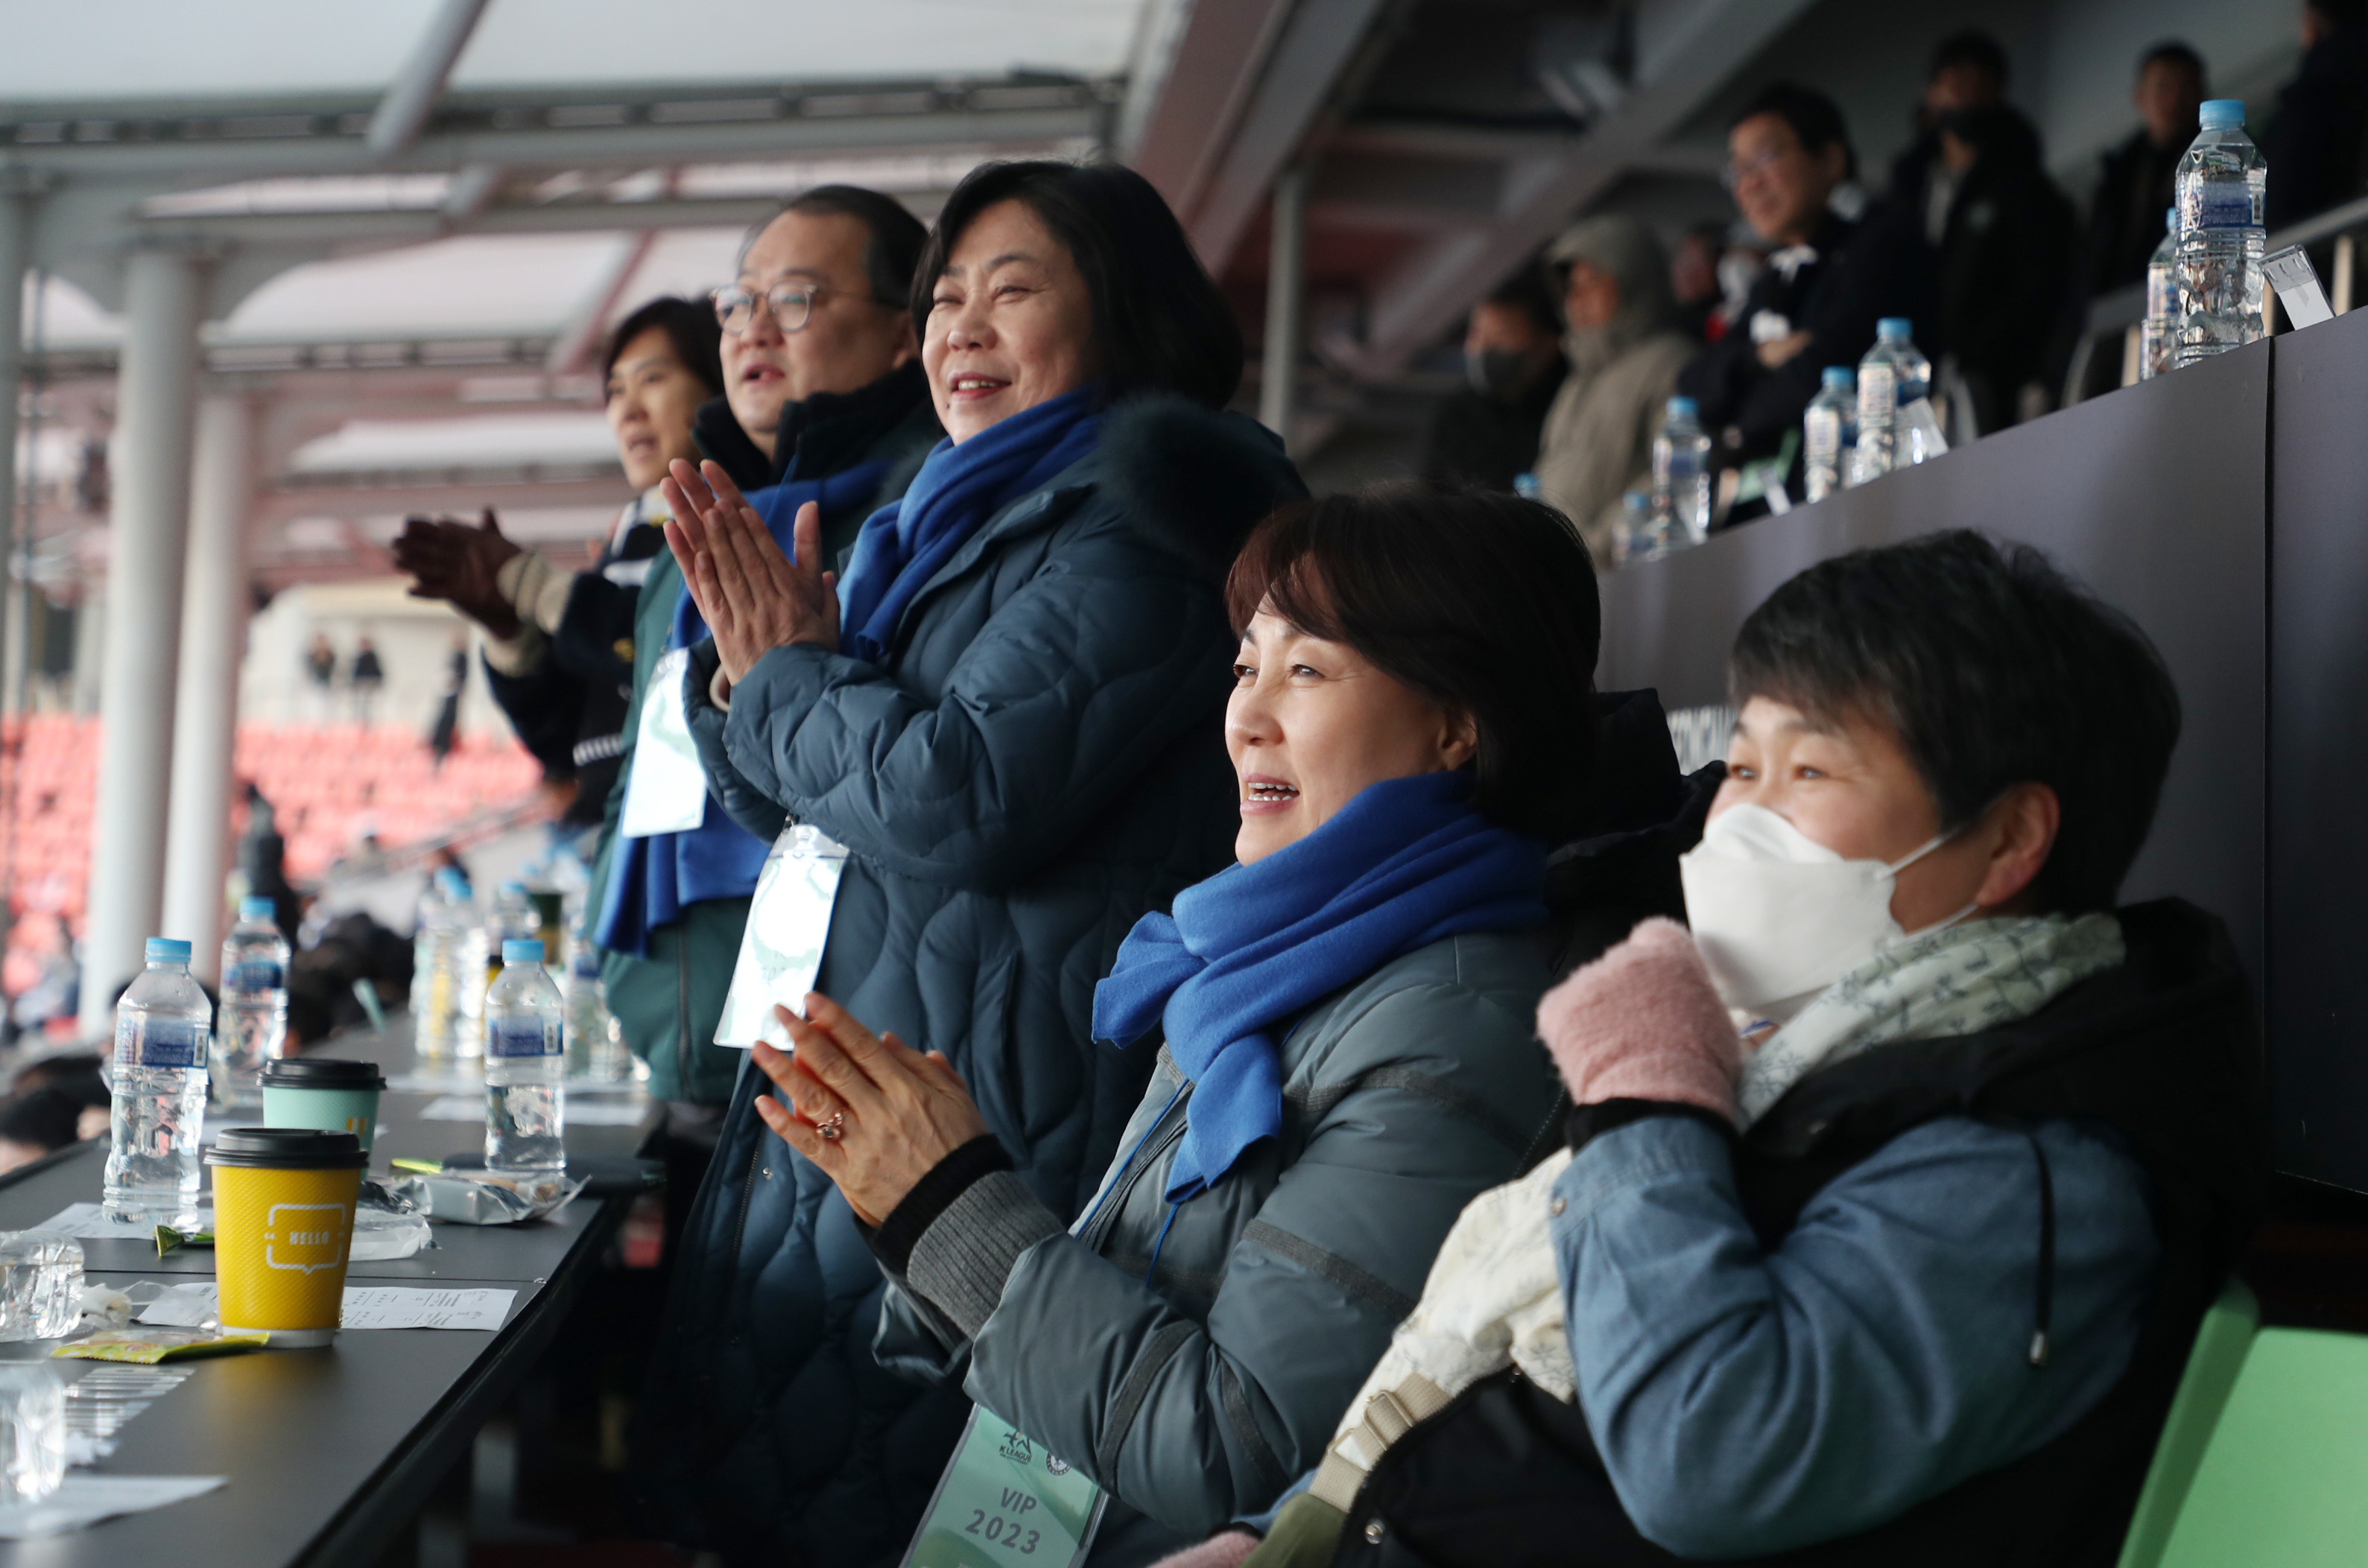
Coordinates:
651 880
958 489
1407 862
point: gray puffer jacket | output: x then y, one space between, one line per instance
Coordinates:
1198 1394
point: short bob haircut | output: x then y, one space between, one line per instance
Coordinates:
1480 602
691 329
1994 669
1159 321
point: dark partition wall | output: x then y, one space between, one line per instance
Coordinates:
2156 497
2319 752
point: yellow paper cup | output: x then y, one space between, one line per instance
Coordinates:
283 1224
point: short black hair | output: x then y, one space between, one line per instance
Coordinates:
691 328
1159 321
1482 602
2174 52
1527 291
897 237
1815 118
1994 669
40 1118
1972 48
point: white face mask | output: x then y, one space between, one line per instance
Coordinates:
1779 917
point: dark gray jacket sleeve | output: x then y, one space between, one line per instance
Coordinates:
1075 683
1198 1423
741 800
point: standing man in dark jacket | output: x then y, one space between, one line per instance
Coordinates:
2134 189
2005 240
1827 282
2316 139
1488 432
1968 74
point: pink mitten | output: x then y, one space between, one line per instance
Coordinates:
1226 1551
1641 1023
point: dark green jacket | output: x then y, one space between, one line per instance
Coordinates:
667 1005
1038 764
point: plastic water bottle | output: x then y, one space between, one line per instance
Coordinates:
254 1001
596 1044
1829 431
526 1063
2223 192
2159 332
1894 374
163 1034
1681 475
447 968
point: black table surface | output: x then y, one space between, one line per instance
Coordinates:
327 1450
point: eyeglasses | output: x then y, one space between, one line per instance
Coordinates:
1742 169
792 304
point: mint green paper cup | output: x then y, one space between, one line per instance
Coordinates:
323 1093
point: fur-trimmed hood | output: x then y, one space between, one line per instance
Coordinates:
1202 477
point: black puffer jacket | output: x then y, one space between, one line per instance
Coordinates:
1039 764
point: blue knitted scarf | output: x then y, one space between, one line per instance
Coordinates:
958 489
1407 862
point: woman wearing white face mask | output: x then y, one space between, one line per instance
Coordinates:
1914 1280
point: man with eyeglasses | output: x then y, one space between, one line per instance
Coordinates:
824 400
1828 280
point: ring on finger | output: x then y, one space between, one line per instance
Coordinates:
831 1128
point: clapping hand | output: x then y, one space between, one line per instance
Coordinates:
459 564
752 598
876 1114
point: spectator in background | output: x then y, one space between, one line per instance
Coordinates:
445 732
558 655
321 672
2313 143
1830 279
2005 246
1968 74
1486 432
2135 190
1694 279
367 679
1623 338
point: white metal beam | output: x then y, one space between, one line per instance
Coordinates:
1686 51
411 96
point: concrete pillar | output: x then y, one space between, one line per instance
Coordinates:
15 248
89 649
1286 297
205 709
147 539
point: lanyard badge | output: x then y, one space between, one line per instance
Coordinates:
1006 1502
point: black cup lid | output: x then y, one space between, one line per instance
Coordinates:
287 1148
321 1073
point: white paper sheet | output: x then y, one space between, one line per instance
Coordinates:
194 1305
85 1221
82 1500
580 1113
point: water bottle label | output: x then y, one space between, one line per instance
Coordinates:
161 1042
2162 293
256 974
1876 387
522 1037
1825 432
2219 204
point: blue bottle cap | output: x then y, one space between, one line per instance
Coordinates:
257 909
1682 408
168 950
1894 329
515 952
1840 378
2221 114
2170 219
519 888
